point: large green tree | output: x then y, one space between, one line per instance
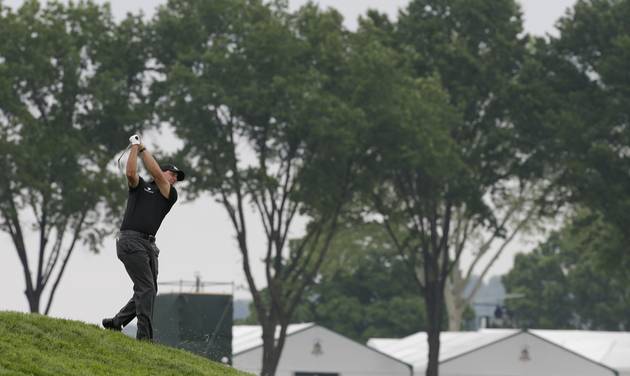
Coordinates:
442 168
259 97
567 283
71 84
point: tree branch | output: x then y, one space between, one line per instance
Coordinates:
64 263
15 230
55 252
43 240
483 249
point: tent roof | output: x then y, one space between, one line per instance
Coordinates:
247 337
608 348
414 348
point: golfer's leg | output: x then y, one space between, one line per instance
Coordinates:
125 247
155 265
126 313
138 265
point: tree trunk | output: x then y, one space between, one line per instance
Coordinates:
33 298
270 352
454 298
456 310
434 303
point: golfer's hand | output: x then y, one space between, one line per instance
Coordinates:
135 139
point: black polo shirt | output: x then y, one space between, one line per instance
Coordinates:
147 207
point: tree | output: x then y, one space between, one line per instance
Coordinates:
457 147
70 90
255 93
409 175
564 282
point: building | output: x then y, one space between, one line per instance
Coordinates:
312 350
511 352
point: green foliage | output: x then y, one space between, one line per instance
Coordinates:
36 345
596 36
576 279
574 114
255 78
457 144
475 48
541 278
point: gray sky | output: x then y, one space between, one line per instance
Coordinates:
195 237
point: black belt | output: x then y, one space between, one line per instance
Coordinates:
137 234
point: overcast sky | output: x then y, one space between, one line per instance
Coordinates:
195 237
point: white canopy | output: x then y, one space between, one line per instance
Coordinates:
609 348
247 337
314 350
606 351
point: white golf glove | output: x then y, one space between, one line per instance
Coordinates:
135 139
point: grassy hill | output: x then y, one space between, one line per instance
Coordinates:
40 345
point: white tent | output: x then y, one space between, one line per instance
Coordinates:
508 352
312 350
609 348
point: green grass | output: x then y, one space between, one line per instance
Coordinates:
39 345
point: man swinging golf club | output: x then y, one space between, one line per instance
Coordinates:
147 205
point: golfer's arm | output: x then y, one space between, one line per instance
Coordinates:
132 167
154 169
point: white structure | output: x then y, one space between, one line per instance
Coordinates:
311 350
508 352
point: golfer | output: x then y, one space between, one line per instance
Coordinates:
147 205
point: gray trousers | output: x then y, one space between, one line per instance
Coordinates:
140 257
